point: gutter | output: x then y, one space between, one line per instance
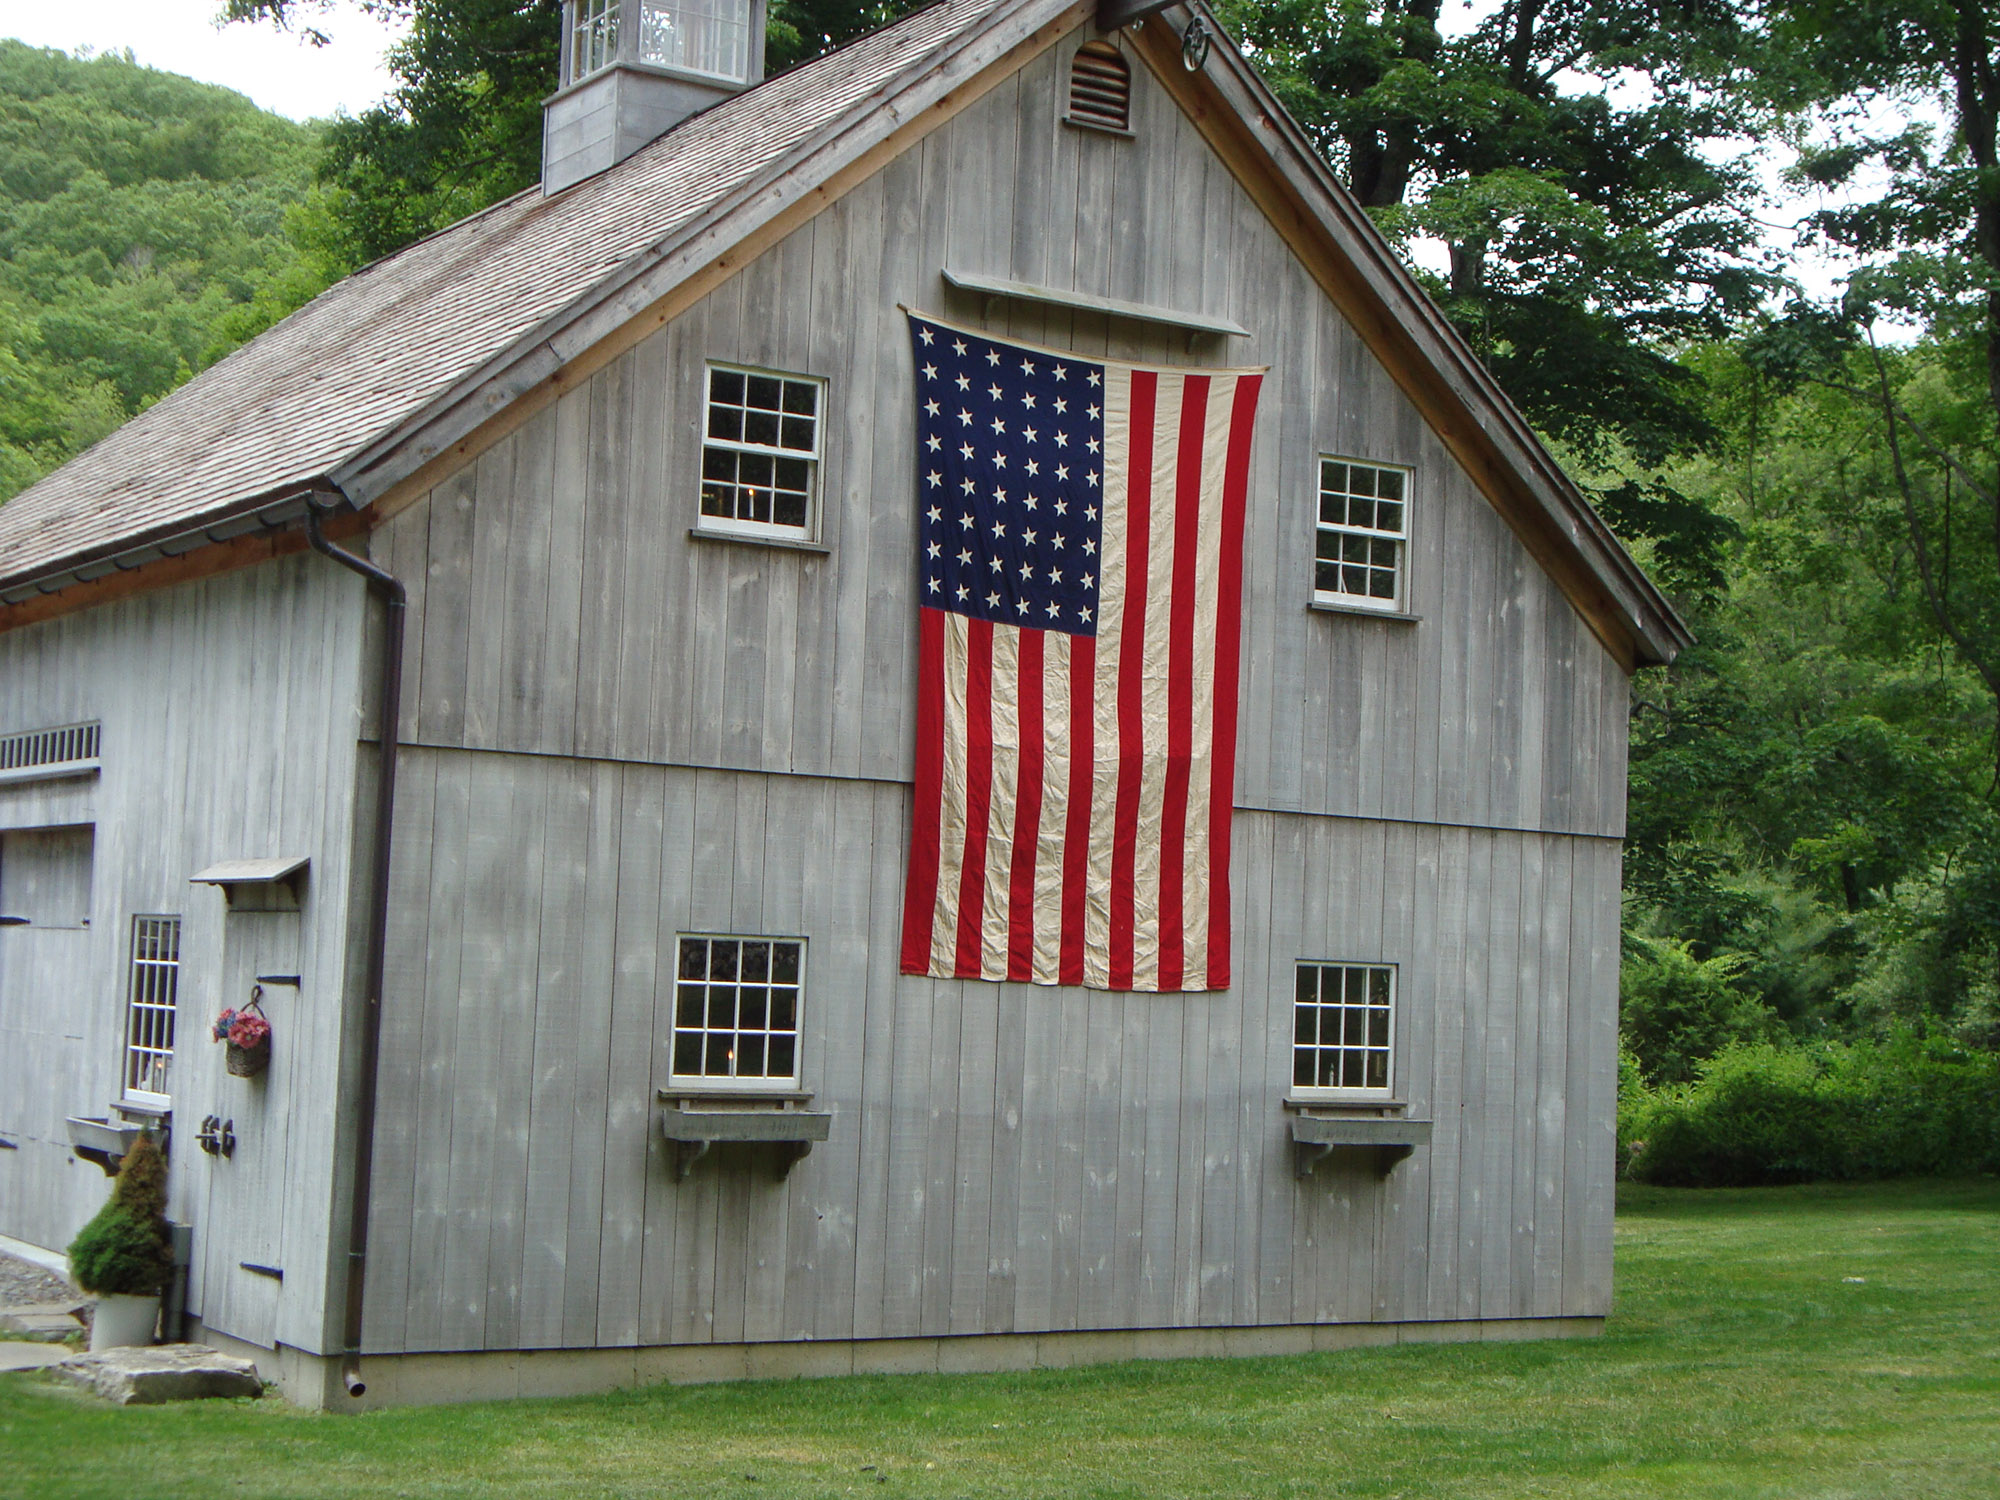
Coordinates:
395 599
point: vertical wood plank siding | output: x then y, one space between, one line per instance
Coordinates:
229 711
621 733
568 611
903 1223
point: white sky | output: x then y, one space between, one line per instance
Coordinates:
281 72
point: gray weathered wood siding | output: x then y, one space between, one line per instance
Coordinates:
626 733
566 610
1003 1158
230 715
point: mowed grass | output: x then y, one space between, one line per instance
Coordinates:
1822 1341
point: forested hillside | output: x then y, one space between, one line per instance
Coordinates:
142 236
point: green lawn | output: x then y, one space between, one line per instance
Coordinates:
1827 1342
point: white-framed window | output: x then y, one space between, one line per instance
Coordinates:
1344 1030
152 986
1361 555
697 36
736 1011
761 454
593 38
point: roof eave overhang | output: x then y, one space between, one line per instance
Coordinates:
273 511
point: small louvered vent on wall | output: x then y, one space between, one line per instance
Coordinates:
48 747
1100 88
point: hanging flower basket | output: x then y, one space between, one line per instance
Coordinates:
246 1037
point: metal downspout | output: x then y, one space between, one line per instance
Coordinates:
389 712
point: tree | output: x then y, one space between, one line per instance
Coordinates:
1576 159
463 126
1931 249
141 215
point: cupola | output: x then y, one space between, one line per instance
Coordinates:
634 69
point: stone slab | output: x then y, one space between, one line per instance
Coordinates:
165 1372
50 1321
30 1356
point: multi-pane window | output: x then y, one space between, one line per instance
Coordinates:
760 459
593 38
151 988
702 36
736 1010
1364 516
1343 1028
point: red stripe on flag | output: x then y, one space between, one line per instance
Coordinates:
978 795
920 896
1027 812
1131 676
1228 634
1180 679
1082 776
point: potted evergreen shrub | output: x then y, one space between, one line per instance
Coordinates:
125 1257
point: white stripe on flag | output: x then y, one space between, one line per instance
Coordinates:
1112 584
1055 809
1006 788
1153 682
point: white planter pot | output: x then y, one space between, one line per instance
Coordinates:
118 1320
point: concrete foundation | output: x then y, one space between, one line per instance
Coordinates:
494 1375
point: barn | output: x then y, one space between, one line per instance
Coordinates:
512 671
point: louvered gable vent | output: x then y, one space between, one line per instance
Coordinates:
1100 88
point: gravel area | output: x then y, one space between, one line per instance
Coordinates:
23 1283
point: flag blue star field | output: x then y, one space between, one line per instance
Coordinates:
1080 574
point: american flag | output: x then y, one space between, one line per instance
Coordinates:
1081 565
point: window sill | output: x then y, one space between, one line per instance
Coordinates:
687 1094
1328 607
1387 1138
781 543
731 1117
1344 1103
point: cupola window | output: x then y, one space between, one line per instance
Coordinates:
593 42
697 36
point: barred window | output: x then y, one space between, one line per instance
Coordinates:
1364 512
151 989
736 1010
760 458
1344 1028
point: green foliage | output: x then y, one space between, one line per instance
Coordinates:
1762 1113
1675 1009
462 129
127 1248
1813 786
1582 162
139 214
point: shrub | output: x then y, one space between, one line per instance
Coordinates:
1759 1113
128 1249
1675 1009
